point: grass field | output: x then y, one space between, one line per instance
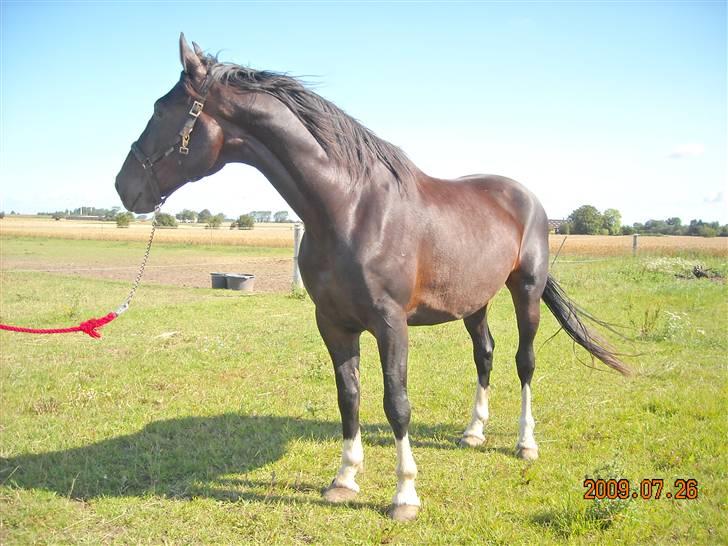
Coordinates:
209 417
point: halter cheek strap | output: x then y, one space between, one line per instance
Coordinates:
183 140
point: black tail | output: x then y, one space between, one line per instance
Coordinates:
569 316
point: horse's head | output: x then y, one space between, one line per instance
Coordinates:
181 143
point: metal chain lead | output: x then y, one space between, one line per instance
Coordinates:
124 306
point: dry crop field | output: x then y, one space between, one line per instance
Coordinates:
606 245
281 236
268 234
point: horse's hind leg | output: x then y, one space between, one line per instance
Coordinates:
343 347
483 345
526 289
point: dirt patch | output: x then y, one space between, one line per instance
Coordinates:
271 274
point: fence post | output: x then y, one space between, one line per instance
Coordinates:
297 236
634 244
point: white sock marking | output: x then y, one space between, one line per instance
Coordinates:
480 413
406 473
526 422
352 457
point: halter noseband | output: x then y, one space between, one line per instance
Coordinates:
183 141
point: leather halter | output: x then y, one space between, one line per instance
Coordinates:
183 140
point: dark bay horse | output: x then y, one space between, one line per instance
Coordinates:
386 246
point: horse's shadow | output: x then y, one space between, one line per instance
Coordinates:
192 457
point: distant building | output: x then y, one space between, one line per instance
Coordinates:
87 218
555 225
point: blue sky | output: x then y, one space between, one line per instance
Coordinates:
614 104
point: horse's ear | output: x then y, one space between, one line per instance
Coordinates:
191 63
198 49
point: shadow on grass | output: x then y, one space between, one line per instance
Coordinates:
191 456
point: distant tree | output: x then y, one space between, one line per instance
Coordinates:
215 222
707 231
261 215
109 214
612 221
166 220
141 217
123 219
694 227
657 227
627 230
245 221
204 216
186 215
674 221
281 216
586 220
2 214
674 226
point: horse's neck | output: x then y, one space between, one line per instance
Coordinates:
273 140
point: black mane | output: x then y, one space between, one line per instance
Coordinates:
352 146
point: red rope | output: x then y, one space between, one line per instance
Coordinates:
88 327
91 326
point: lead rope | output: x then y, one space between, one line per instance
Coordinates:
91 326
124 306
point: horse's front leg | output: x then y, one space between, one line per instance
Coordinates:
343 346
391 337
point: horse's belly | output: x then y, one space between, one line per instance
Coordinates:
455 295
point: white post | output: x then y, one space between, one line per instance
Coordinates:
297 236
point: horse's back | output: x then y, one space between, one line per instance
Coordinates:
471 240
487 202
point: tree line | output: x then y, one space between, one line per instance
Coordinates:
212 221
101 213
204 216
588 220
123 218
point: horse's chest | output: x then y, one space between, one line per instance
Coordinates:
351 286
332 283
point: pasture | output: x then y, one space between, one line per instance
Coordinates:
210 417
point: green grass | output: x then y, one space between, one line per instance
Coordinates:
209 417
47 249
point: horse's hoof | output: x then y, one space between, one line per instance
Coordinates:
339 494
471 441
527 453
403 512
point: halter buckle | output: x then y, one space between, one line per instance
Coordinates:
196 109
183 149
